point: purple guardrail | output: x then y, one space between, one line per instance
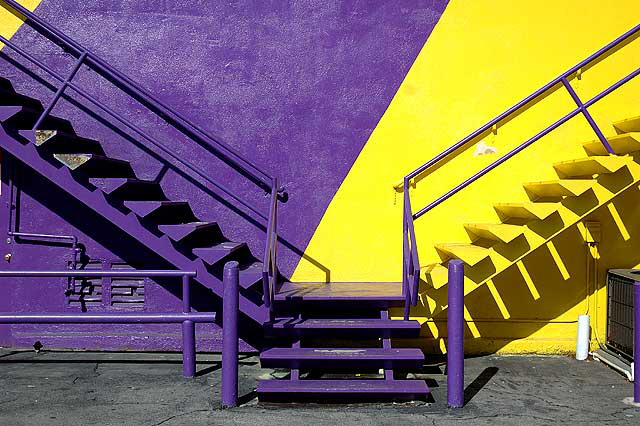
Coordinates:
411 265
186 317
223 152
636 342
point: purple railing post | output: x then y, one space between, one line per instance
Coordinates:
188 348
230 335
455 334
636 342
587 115
59 92
188 333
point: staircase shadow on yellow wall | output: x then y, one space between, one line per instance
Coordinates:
513 312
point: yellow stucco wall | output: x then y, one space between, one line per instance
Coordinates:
483 57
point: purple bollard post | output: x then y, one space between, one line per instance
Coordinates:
230 335
188 333
188 348
455 334
636 342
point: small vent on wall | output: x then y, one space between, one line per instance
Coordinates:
126 292
107 292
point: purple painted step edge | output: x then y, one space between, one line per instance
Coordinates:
342 358
365 323
311 298
354 387
342 353
183 230
213 255
127 222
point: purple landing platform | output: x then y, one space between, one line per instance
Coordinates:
379 294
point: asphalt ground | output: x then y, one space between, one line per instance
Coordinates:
97 388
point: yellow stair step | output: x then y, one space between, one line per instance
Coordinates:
628 125
435 273
560 187
468 253
624 143
495 231
531 211
596 165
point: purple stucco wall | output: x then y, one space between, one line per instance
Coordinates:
295 86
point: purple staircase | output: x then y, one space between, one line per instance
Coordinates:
140 208
334 338
340 329
308 324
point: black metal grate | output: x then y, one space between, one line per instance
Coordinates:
620 310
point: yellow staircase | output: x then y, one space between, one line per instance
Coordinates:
584 185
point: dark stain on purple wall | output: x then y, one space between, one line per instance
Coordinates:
296 87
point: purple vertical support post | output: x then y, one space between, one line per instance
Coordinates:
587 115
230 335
636 342
455 334
188 333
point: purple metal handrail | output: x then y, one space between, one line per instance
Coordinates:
411 266
186 317
269 266
169 115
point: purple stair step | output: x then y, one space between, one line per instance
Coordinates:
130 188
251 275
181 231
388 294
62 143
342 358
162 212
353 327
410 389
94 165
23 118
213 255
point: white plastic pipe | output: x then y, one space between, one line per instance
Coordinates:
582 343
